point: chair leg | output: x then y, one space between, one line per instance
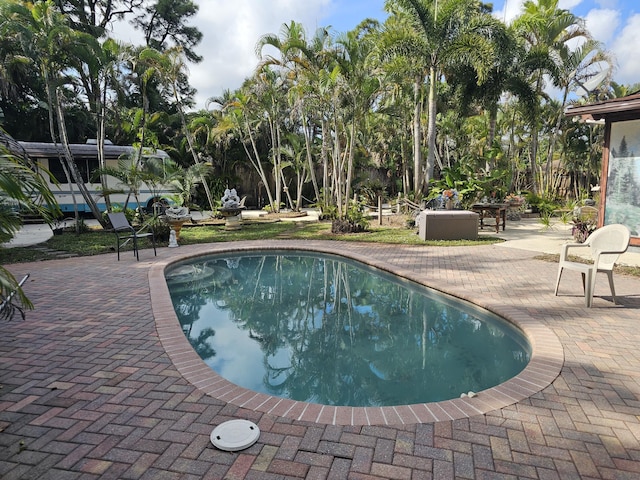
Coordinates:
135 248
589 285
558 280
613 290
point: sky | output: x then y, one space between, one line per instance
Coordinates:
232 29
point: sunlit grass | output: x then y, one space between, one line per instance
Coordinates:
622 269
97 242
391 235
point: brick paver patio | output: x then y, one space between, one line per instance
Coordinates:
88 390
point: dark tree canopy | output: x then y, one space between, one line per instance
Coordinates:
164 26
94 16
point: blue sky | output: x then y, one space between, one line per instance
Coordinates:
231 30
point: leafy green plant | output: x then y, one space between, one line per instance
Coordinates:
328 212
354 220
160 228
454 178
565 217
540 204
582 228
370 190
545 220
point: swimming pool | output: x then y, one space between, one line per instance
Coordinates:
324 329
418 264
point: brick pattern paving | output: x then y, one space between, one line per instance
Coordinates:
88 390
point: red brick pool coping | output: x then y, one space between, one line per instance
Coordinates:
547 356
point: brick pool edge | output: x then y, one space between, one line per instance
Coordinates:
547 356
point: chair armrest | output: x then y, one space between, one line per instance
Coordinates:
564 253
124 229
618 252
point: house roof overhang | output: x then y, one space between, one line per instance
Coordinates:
617 109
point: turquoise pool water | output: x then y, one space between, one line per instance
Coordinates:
323 329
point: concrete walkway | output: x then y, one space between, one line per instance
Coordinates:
88 390
530 234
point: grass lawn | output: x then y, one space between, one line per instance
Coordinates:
97 242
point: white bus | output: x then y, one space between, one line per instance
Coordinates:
47 155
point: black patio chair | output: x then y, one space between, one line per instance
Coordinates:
124 231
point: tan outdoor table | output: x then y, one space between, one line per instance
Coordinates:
493 210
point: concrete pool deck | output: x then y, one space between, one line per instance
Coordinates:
89 390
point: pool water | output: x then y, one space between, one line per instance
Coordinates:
324 329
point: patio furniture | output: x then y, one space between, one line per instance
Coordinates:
124 231
447 225
492 210
605 245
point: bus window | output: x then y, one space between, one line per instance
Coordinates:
86 167
55 167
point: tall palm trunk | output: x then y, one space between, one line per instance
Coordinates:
307 140
73 168
55 141
325 162
552 143
350 158
431 129
101 137
417 138
187 134
257 164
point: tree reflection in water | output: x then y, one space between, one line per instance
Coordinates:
321 329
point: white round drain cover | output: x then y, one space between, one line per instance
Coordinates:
235 435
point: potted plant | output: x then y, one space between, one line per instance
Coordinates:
582 228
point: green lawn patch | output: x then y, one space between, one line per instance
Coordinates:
97 242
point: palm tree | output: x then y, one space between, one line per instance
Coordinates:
241 118
359 88
23 188
545 30
44 35
445 33
302 60
574 69
172 67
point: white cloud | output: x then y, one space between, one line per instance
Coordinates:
602 24
607 3
231 30
625 48
230 33
510 10
568 4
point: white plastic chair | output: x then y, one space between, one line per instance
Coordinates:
606 244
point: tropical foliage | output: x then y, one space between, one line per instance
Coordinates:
22 189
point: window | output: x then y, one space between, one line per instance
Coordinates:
86 167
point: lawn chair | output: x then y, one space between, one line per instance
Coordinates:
606 244
124 231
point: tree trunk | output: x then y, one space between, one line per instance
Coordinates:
431 130
307 140
417 138
187 134
257 164
352 141
73 167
